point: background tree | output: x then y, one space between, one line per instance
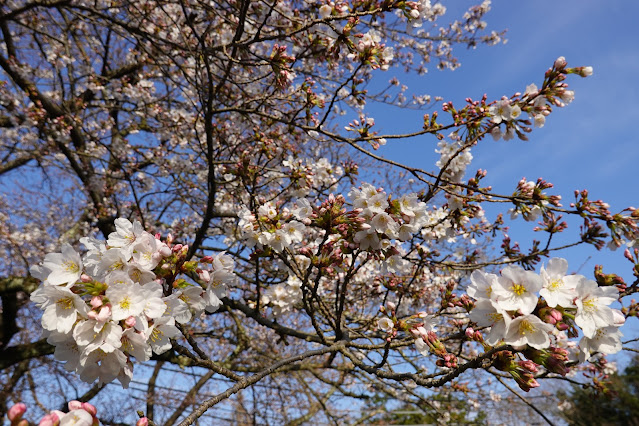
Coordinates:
234 127
614 402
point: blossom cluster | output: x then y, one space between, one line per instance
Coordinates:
80 414
122 300
537 103
383 218
524 309
454 157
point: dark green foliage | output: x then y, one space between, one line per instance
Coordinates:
619 405
457 409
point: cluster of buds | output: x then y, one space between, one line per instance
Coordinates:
280 62
532 192
80 414
427 342
553 359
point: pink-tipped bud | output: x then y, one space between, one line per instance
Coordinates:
17 411
105 313
560 63
142 422
75 405
391 305
90 408
628 255
470 333
177 248
85 278
585 71
556 315
96 301
529 365
205 259
130 322
50 419
204 275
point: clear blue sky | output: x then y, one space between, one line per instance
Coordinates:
590 144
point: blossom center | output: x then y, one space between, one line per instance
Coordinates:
65 303
116 266
589 304
125 303
525 327
555 284
518 289
156 335
71 266
495 316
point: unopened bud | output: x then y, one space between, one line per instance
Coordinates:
130 322
17 411
50 419
585 71
142 422
560 63
74 405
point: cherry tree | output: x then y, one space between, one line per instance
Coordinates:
196 213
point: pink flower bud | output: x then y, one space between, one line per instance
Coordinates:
17 411
204 275
96 301
470 333
105 313
85 278
130 322
556 315
50 419
75 405
177 248
391 306
560 63
585 71
529 365
142 422
90 408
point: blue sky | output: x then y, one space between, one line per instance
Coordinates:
590 144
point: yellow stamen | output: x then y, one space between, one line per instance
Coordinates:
518 289
66 303
525 327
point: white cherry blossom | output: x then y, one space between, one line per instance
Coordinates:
528 330
516 289
558 288
65 267
593 309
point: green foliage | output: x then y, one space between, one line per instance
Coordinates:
457 408
618 405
